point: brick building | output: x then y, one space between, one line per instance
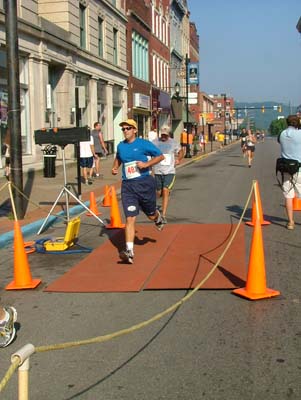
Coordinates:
223 113
160 68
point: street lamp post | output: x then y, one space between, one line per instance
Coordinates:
14 113
177 92
225 99
188 153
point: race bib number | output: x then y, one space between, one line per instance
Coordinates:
131 170
167 159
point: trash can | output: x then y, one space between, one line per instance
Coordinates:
49 153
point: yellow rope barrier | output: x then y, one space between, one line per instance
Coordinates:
9 373
104 338
133 328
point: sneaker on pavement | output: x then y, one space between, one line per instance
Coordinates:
164 220
159 222
127 255
7 327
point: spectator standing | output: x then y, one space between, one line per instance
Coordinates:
221 140
87 154
6 151
99 147
152 135
184 142
8 317
138 188
165 171
290 144
202 142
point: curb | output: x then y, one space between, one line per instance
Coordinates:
8 237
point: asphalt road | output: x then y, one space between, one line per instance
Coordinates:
216 346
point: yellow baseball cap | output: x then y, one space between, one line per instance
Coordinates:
130 122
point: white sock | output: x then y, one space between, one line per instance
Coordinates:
159 217
130 246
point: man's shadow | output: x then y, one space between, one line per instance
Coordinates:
117 238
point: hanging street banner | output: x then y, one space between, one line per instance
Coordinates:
193 74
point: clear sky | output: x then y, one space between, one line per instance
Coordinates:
249 49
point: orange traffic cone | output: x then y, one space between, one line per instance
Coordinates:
296 204
255 288
257 208
93 206
115 214
22 275
106 202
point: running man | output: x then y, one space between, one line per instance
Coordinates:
165 171
138 189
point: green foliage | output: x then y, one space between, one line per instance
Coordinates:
277 126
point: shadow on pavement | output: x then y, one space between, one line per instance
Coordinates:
28 188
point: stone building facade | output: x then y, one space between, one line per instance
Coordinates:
83 61
72 68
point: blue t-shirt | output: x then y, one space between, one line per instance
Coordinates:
129 153
290 142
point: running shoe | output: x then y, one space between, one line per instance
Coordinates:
159 222
290 226
127 255
164 220
7 327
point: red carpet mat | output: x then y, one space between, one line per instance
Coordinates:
194 252
176 258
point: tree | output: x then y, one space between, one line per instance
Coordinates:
277 126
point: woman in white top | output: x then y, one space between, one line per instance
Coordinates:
250 146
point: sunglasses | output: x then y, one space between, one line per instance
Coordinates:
126 128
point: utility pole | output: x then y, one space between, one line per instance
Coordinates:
14 120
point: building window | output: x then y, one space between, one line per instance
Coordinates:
115 46
82 26
140 67
101 104
100 37
82 99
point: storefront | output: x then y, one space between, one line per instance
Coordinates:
116 135
141 113
161 109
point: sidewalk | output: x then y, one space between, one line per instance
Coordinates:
41 193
